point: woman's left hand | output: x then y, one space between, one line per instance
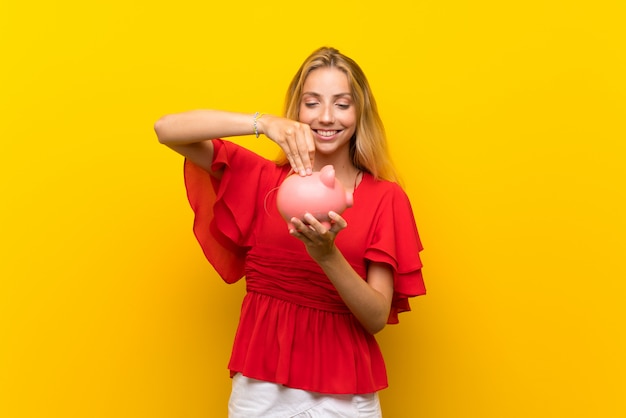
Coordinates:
318 239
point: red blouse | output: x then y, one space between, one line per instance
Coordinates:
294 328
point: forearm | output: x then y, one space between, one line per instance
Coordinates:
369 306
199 125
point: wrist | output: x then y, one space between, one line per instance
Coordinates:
257 129
329 258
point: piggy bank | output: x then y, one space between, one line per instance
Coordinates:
316 194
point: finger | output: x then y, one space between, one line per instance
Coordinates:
307 149
315 224
290 148
291 161
301 230
294 136
294 232
339 223
298 165
301 147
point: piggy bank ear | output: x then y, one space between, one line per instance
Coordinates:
327 176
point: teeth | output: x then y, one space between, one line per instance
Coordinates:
327 133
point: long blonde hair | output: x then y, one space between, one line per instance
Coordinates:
368 146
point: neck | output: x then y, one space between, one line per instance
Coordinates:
345 171
341 166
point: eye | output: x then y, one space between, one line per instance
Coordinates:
311 104
343 106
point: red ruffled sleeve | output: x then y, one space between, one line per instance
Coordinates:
225 209
394 240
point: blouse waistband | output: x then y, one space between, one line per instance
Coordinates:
297 281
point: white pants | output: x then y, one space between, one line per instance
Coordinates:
251 398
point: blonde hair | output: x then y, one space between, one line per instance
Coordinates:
368 146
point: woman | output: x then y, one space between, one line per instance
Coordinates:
315 296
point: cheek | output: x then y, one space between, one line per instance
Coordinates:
304 114
350 120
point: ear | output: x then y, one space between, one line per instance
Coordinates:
327 176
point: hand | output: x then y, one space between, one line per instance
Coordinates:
294 138
318 238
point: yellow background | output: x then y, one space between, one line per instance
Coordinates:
507 122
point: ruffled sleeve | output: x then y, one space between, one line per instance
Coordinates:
225 208
394 240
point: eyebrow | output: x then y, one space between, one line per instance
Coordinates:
335 96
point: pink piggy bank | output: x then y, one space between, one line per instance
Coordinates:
316 194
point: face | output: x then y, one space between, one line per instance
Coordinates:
327 107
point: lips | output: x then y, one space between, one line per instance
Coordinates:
326 133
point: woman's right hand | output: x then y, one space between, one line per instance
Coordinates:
294 138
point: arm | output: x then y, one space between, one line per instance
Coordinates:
190 134
369 300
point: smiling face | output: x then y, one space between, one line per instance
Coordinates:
328 108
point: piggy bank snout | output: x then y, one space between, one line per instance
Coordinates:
349 199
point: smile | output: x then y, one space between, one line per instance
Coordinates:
326 134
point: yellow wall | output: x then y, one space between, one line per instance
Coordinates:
506 120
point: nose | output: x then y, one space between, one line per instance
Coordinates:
327 115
